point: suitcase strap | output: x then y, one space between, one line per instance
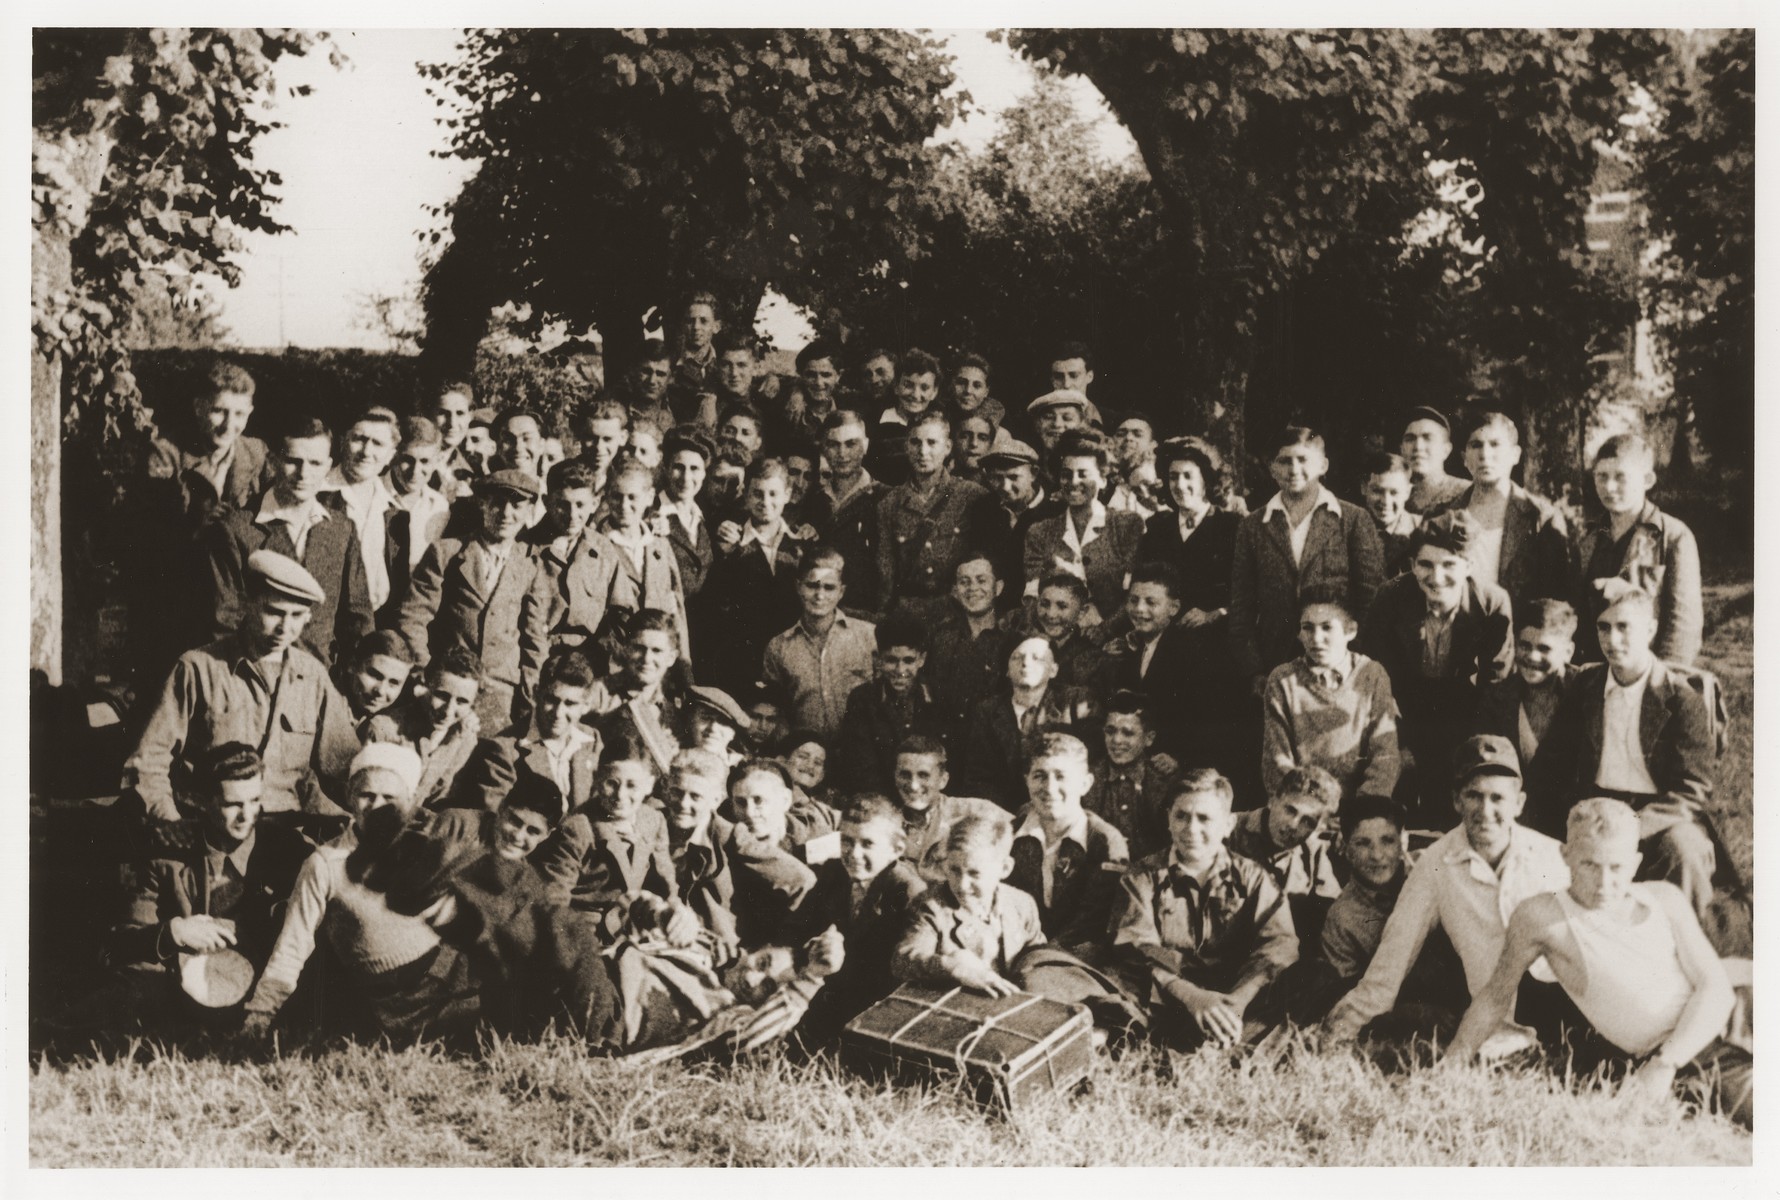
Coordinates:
969 1041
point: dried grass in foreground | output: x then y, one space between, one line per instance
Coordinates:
551 1105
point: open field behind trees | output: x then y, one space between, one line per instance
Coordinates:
551 1105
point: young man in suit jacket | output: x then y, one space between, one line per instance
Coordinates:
417 512
1520 541
292 518
1302 538
1442 636
992 754
557 745
1635 729
489 594
1085 539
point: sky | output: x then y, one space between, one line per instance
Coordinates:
359 163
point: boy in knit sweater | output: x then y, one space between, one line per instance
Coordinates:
1330 707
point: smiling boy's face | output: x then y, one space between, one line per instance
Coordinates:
973 873
868 848
1375 851
1059 609
1539 653
623 786
1198 823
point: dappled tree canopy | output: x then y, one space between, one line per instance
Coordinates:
621 168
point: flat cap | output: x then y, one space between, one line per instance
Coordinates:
1422 412
510 482
722 703
1008 451
1057 399
1485 754
284 576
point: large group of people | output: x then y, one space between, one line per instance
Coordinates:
762 695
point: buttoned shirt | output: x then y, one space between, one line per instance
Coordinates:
366 502
484 562
561 754
422 504
1300 533
690 514
1222 932
299 520
1623 768
215 466
633 545
1033 828
940 932
768 540
861 486
301 725
1453 886
1437 644
819 672
224 870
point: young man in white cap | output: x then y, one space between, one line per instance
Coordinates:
1633 958
258 686
409 982
490 594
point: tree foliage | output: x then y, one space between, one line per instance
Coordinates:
1295 171
620 169
142 166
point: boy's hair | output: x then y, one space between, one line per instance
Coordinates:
537 793
697 761
1073 584
304 427
1328 595
974 556
1201 779
479 420
1555 615
569 475
970 358
382 416
447 386
728 454
1298 435
226 376
1371 808
870 808
796 738
626 748
386 642
924 744
917 362
605 409
659 620
1057 745
708 299
1382 462
935 415
1080 443
626 468
1615 592
816 351
461 661
730 340
767 468
842 417
567 668
1600 817
510 415
1498 420
739 408
979 830
1311 781
902 631
763 766
1126 702
800 447
1156 572
1626 445
228 763
877 352
687 437
1068 350
819 556
419 431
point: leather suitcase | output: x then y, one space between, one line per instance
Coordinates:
1007 1051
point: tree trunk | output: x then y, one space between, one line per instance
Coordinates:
46 510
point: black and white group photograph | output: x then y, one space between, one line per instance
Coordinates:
886 597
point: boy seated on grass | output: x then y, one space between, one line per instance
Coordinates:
1131 785
1066 858
613 851
696 785
375 676
1203 931
530 812
968 930
1290 838
438 722
1330 707
1521 707
1057 612
768 880
851 922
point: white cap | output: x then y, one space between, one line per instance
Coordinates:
389 756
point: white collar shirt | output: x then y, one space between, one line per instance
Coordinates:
1623 768
1300 533
300 519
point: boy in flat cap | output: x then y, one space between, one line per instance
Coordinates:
1056 413
1442 636
1426 445
294 519
491 595
255 685
1010 472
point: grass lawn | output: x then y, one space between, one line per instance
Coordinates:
552 1105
